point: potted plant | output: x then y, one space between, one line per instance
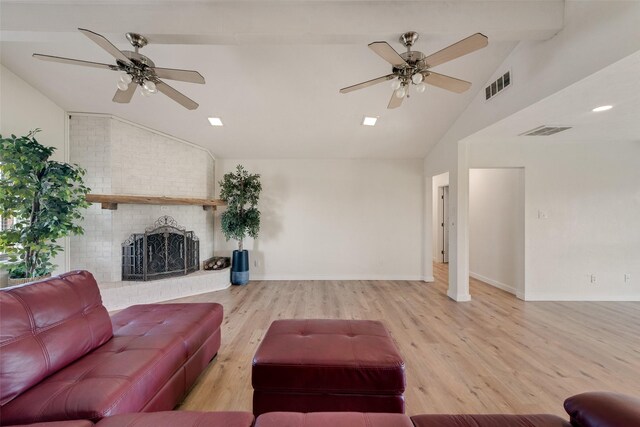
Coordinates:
241 191
44 198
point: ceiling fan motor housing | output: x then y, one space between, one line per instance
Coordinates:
140 71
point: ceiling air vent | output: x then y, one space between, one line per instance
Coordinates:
545 130
499 85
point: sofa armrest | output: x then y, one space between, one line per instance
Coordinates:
603 409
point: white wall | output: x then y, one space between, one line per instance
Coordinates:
22 109
590 195
496 227
595 34
335 219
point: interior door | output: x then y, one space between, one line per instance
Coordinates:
445 224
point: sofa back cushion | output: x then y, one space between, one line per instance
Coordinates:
46 326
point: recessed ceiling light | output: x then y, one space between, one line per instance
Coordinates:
369 121
602 108
215 121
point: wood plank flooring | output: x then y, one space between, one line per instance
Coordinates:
493 354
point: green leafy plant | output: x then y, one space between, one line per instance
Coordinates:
241 191
44 197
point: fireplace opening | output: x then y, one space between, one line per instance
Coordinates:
165 249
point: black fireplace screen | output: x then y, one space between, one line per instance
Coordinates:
164 250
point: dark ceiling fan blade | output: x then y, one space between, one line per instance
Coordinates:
181 99
395 102
106 45
386 52
456 50
180 75
74 61
124 96
367 83
446 82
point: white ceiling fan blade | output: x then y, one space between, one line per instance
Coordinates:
180 98
124 96
395 102
72 61
367 83
386 52
180 75
106 45
446 82
456 50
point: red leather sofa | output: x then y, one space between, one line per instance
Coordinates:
596 409
63 358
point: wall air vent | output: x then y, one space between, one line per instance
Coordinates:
503 82
545 130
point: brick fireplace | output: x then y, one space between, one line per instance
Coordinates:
126 159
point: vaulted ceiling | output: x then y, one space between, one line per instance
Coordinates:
273 68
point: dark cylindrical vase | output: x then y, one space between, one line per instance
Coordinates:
240 267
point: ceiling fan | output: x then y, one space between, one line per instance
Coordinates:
413 67
137 70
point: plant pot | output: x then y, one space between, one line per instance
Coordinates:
22 281
240 267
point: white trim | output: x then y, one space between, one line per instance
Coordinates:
428 279
551 296
459 297
268 277
66 242
157 132
495 283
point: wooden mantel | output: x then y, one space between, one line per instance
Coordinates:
111 201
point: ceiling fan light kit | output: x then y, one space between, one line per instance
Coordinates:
136 70
413 67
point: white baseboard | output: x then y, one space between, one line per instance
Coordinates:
551 296
268 277
428 279
494 283
459 297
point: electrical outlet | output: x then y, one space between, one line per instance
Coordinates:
627 278
592 278
256 263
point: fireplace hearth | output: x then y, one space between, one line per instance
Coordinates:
165 249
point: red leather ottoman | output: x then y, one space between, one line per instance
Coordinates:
332 419
327 366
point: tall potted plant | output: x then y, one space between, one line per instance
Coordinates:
241 191
44 198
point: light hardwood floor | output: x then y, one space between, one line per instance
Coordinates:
493 354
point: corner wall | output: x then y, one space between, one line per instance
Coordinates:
334 219
595 35
23 109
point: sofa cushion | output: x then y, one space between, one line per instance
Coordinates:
151 344
603 409
180 419
332 419
46 326
490 420
71 423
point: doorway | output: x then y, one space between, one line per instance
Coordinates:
443 224
496 227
